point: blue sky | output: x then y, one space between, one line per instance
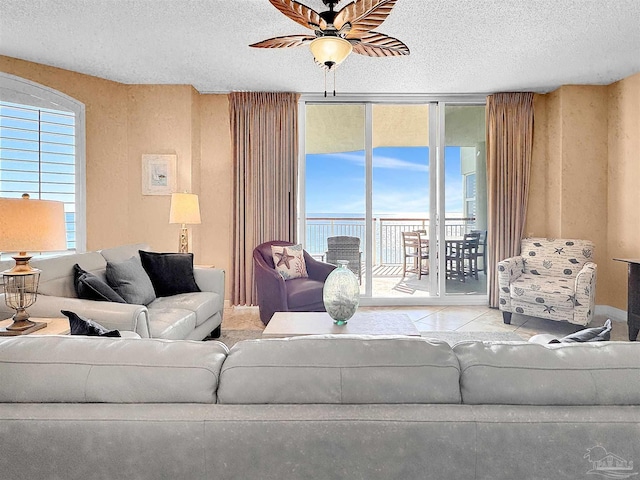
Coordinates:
335 183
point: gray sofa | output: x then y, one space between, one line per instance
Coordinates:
317 408
190 316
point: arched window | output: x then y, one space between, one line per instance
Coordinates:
42 150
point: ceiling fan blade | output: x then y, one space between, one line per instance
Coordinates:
376 44
300 13
284 42
363 15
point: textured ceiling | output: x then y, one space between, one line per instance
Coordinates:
457 46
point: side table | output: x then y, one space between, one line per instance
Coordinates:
55 326
633 297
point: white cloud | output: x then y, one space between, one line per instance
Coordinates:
380 161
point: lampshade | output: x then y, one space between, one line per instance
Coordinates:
330 50
185 208
31 225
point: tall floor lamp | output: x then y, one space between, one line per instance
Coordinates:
185 209
27 226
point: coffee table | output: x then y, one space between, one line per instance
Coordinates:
291 324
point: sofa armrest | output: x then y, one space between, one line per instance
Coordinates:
111 315
585 298
509 270
210 279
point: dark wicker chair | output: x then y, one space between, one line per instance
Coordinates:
345 248
296 295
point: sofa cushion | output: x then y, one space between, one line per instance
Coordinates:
171 323
170 273
303 292
48 368
203 304
555 257
544 290
600 373
85 326
130 281
122 252
56 278
91 287
340 369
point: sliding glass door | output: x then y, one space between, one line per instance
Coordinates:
384 173
465 199
335 181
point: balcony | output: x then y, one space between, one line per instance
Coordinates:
387 272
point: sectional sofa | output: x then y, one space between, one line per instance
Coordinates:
191 316
317 408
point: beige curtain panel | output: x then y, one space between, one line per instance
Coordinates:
509 118
264 131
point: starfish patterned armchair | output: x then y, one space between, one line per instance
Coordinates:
275 294
552 278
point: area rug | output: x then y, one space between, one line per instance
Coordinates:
231 337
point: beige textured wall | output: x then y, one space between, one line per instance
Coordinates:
585 167
123 122
536 224
159 121
624 186
216 181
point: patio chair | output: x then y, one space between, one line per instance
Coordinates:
345 248
415 249
462 257
275 294
482 248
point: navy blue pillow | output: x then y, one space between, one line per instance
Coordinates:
90 287
170 273
84 326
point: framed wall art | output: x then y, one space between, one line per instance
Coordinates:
158 174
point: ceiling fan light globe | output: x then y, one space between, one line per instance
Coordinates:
330 50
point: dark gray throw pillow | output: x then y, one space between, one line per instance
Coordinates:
130 281
596 334
170 273
91 287
84 326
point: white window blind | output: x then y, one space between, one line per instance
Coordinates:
38 157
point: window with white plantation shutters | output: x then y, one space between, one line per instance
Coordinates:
41 150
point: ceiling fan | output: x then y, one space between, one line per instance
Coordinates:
338 33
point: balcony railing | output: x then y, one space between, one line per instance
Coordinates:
387 238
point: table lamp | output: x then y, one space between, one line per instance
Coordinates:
185 209
27 226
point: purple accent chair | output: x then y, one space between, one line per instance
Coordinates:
296 295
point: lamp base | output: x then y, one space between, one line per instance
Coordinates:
183 245
11 330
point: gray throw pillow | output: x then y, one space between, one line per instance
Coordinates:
131 282
596 334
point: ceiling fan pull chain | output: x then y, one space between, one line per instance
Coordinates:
334 82
325 83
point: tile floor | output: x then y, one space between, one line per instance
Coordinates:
448 318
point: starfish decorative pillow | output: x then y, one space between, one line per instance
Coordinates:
289 261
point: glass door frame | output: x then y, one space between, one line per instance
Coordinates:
437 103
